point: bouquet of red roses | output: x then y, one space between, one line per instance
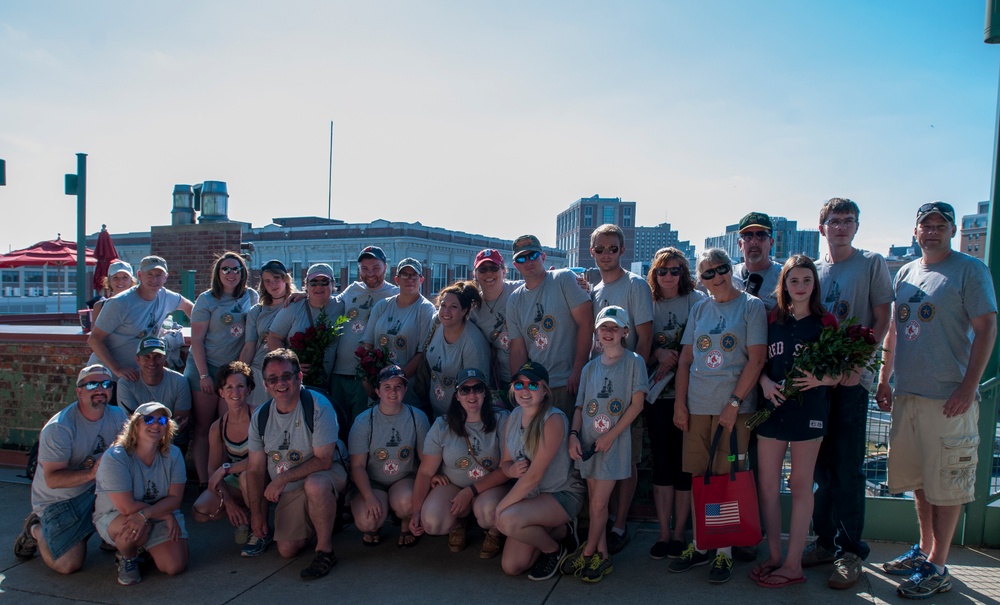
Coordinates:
311 346
837 351
370 362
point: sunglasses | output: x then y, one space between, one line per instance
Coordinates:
484 268
154 419
601 249
530 256
720 270
759 235
228 270
675 271
319 282
521 385
94 385
478 389
286 377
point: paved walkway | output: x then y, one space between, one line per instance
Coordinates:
430 574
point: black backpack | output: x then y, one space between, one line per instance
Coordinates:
308 413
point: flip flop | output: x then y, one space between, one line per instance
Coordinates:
407 540
762 571
783 581
371 538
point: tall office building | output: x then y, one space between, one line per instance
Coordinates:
650 239
575 224
973 236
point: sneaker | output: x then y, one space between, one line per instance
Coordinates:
722 569
846 572
688 559
546 565
814 555
128 571
573 563
616 543
597 568
925 582
659 550
25 546
491 546
675 549
320 566
906 563
255 546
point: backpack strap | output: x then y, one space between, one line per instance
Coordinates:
308 411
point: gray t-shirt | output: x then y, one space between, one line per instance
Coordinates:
457 463
852 288
296 317
287 441
560 476
358 302
720 334
543 317
399 329
491 319
605 393
933 311
631 293
173 392
446 360
771 276
69 437
259 321
669 318
227 324
390 442
127 318
124 472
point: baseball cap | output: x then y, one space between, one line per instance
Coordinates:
150 408
274 266
468 374
391 372
372 252
526 244
153 262
118 266
320 270
491 255
533 371
614 314
151 345
936 207
90 372
756 219
411 263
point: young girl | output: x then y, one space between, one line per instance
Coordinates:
612 389
796 321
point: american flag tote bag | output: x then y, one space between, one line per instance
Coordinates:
725 506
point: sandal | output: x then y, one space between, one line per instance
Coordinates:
320 565
762 571
407 539
371 538
456 538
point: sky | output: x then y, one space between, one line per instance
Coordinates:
492 117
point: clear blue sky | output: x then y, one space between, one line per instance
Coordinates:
493 117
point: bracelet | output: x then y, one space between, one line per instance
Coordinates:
203 377
475 492
575 432
143 515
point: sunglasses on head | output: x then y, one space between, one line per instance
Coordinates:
748 236
319 282
228 270
484 268
93 385
530 256
720 270
675 271
478 388
155 419
522 384
601 249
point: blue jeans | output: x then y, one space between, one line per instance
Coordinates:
68 522
839 512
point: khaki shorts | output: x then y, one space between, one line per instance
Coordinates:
638 429
291 516
931 452
698 442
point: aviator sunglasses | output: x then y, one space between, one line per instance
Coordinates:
154 419
93 386
601 249
523 259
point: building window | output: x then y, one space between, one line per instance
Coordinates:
439 277
462 272
609 215
627 216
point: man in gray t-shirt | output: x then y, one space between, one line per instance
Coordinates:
157 383
293 463
62 491
756 241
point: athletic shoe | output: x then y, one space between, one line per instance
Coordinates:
573 563
25 545
320 566
659 550
925 583
255 546
688 559
546 565
814 555
722 569
675 549
906 563
846 572
128 571
597 568
616 543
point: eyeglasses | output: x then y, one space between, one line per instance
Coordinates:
522 384
530 256
710 273
748 236
478 389
228 270
94 385
286 377
319 282
601 249
484 268
847 223
675 271
408 275
154 419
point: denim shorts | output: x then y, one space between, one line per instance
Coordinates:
68 522
158 533
571 502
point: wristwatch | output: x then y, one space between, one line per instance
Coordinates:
225 468
735 401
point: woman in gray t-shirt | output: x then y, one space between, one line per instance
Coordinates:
459 467
272 292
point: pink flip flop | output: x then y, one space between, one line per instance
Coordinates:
763 583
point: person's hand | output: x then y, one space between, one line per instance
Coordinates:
304 368
575 449
883 396
215 479
438 480
728 417
772 390
129 373
92 471
809 381
207 385
415 527
273 490
681 416
518 468
581 281
258 524
604 443
295 297
959 403
373 508
173 528
573 382
666 362
461 502
133 527
237 514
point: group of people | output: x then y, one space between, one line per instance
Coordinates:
514 403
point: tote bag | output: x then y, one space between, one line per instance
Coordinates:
725 506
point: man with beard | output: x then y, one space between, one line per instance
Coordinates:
158 383
62 492
755 243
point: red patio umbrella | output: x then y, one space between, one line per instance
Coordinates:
57 253
104 252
